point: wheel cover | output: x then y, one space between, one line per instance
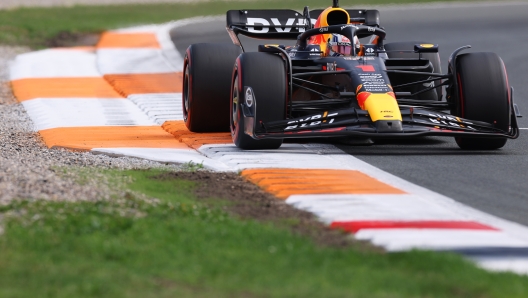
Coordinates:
186 94
234 106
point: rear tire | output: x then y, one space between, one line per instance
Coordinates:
265 73
433 57
483 96
207 86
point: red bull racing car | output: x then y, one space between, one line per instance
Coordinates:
340 79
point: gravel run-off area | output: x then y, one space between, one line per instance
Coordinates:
28 170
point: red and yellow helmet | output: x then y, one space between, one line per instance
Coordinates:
330 16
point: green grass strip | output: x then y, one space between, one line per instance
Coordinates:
180 247
35 26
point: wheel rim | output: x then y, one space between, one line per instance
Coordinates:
186 94
234 106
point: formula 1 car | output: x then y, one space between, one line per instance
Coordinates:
341 80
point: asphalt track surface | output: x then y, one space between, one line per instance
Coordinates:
492 181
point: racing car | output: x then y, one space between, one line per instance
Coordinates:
339 79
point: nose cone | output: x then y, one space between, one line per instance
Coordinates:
380 106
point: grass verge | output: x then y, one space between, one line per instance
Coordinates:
177 246
38 27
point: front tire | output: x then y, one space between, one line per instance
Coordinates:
483 96
265 73
207 87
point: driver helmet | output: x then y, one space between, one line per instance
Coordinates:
339 45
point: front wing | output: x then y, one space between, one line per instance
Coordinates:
416 122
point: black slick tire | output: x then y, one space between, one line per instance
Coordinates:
265 73
483 96
207 86
392 52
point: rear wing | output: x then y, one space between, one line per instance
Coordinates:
266 24
284 23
